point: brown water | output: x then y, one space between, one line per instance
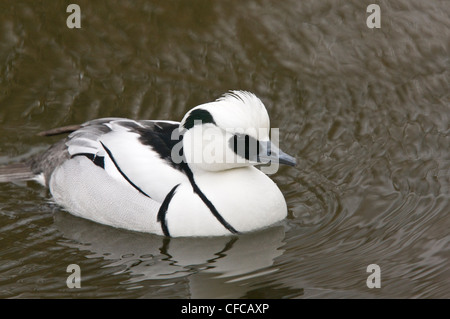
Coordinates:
365 111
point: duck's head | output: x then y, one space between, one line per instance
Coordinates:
231 132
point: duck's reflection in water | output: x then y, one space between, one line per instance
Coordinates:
229 259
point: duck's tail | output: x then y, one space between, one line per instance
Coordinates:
41 164
16 172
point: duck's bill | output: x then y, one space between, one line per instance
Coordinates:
269 153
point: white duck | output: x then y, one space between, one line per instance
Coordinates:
193 178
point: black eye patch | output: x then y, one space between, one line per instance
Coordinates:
245 146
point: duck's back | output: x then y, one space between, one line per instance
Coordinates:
136 154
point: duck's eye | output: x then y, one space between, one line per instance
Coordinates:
245 146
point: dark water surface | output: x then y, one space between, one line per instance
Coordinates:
365 111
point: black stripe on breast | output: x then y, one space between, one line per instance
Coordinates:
161 217
207 202
121 172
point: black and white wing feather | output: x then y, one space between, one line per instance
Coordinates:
136 153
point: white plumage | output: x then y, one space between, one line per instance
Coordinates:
172 178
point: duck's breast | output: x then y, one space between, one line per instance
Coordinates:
243 199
